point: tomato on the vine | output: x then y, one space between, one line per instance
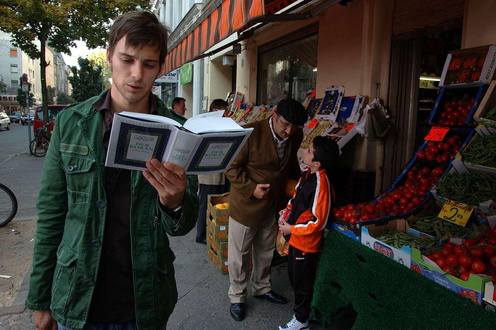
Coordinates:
478 266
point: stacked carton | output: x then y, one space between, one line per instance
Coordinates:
217 230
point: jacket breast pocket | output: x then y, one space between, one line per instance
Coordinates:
80 176
64 278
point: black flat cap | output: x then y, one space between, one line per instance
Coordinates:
293 111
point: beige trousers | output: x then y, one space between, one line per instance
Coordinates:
262 242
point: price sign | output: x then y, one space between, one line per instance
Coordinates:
436 133
312 123
457 213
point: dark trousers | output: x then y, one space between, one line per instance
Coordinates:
302 267
204 191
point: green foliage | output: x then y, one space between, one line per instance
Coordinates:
58 24
3 87
86 81
21 97
63 98
51 91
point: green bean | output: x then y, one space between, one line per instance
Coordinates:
454 187
481 151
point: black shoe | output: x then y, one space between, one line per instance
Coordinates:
201 241
238 311
273 298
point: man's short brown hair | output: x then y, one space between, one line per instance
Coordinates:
142 28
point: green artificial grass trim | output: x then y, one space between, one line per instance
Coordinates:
386 294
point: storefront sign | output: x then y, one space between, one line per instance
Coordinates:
457 213
186 73
170 77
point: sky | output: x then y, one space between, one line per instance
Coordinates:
79 51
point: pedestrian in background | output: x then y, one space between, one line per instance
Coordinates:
258 178
303 221
179 105
209 184
101 256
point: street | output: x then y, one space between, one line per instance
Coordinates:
19 170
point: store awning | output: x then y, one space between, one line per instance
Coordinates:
219 20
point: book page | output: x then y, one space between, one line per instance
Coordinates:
133 142
148 117
209 124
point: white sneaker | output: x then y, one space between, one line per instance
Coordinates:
294 324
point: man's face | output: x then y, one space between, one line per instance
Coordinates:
181 108
134 69
282 127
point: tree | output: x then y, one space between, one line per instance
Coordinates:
58 24
21 97
3 87
86 81
63 98
51 91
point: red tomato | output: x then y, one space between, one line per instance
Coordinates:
370 208
451 245
464 276
437 171
421 154
492 262
491 240
469 242
452 260
478 267
338 214
465 261
488 251
441 262
437 255
476 251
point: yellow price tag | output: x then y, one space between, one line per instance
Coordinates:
457 213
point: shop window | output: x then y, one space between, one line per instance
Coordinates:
13 52
287 71
14 83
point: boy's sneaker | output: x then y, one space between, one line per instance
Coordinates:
294 324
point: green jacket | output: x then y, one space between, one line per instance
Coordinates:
71 222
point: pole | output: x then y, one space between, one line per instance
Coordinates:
29 118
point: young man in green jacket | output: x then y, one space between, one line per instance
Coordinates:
101 256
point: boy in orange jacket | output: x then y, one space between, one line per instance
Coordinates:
304 219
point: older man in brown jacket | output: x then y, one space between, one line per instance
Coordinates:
258 178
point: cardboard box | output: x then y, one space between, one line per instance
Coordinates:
486 104
353 231
331 103
469 66
219 231
480 132
473 288
490 293
370 232
220 215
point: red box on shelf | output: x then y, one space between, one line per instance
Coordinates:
469 66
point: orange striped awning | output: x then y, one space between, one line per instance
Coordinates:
218 22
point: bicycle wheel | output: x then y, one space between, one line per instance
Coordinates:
8 205
38 147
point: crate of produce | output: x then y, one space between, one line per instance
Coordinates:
469 66
220 247
468 186
218 207
219 231
218 259
455 106
480 152
486 112
455 140
393 241
469 285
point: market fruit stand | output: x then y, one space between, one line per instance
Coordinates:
442 278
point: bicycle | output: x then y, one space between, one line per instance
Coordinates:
39 146
8 205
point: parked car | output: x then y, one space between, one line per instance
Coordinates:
4 121
53 111
15 117
24 118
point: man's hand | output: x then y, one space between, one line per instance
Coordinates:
262 190
284 227
43 320
169 180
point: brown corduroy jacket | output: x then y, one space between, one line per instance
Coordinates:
257 162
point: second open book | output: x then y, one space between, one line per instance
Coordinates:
206 143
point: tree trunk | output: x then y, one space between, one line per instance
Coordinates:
44 91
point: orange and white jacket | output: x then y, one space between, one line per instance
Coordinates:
309 208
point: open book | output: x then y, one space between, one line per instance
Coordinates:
206 143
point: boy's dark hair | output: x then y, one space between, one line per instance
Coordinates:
217 104
142 28
177 100
325 151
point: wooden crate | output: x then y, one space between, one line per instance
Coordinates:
220 215
219 231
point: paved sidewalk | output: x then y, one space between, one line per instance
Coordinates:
203 301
